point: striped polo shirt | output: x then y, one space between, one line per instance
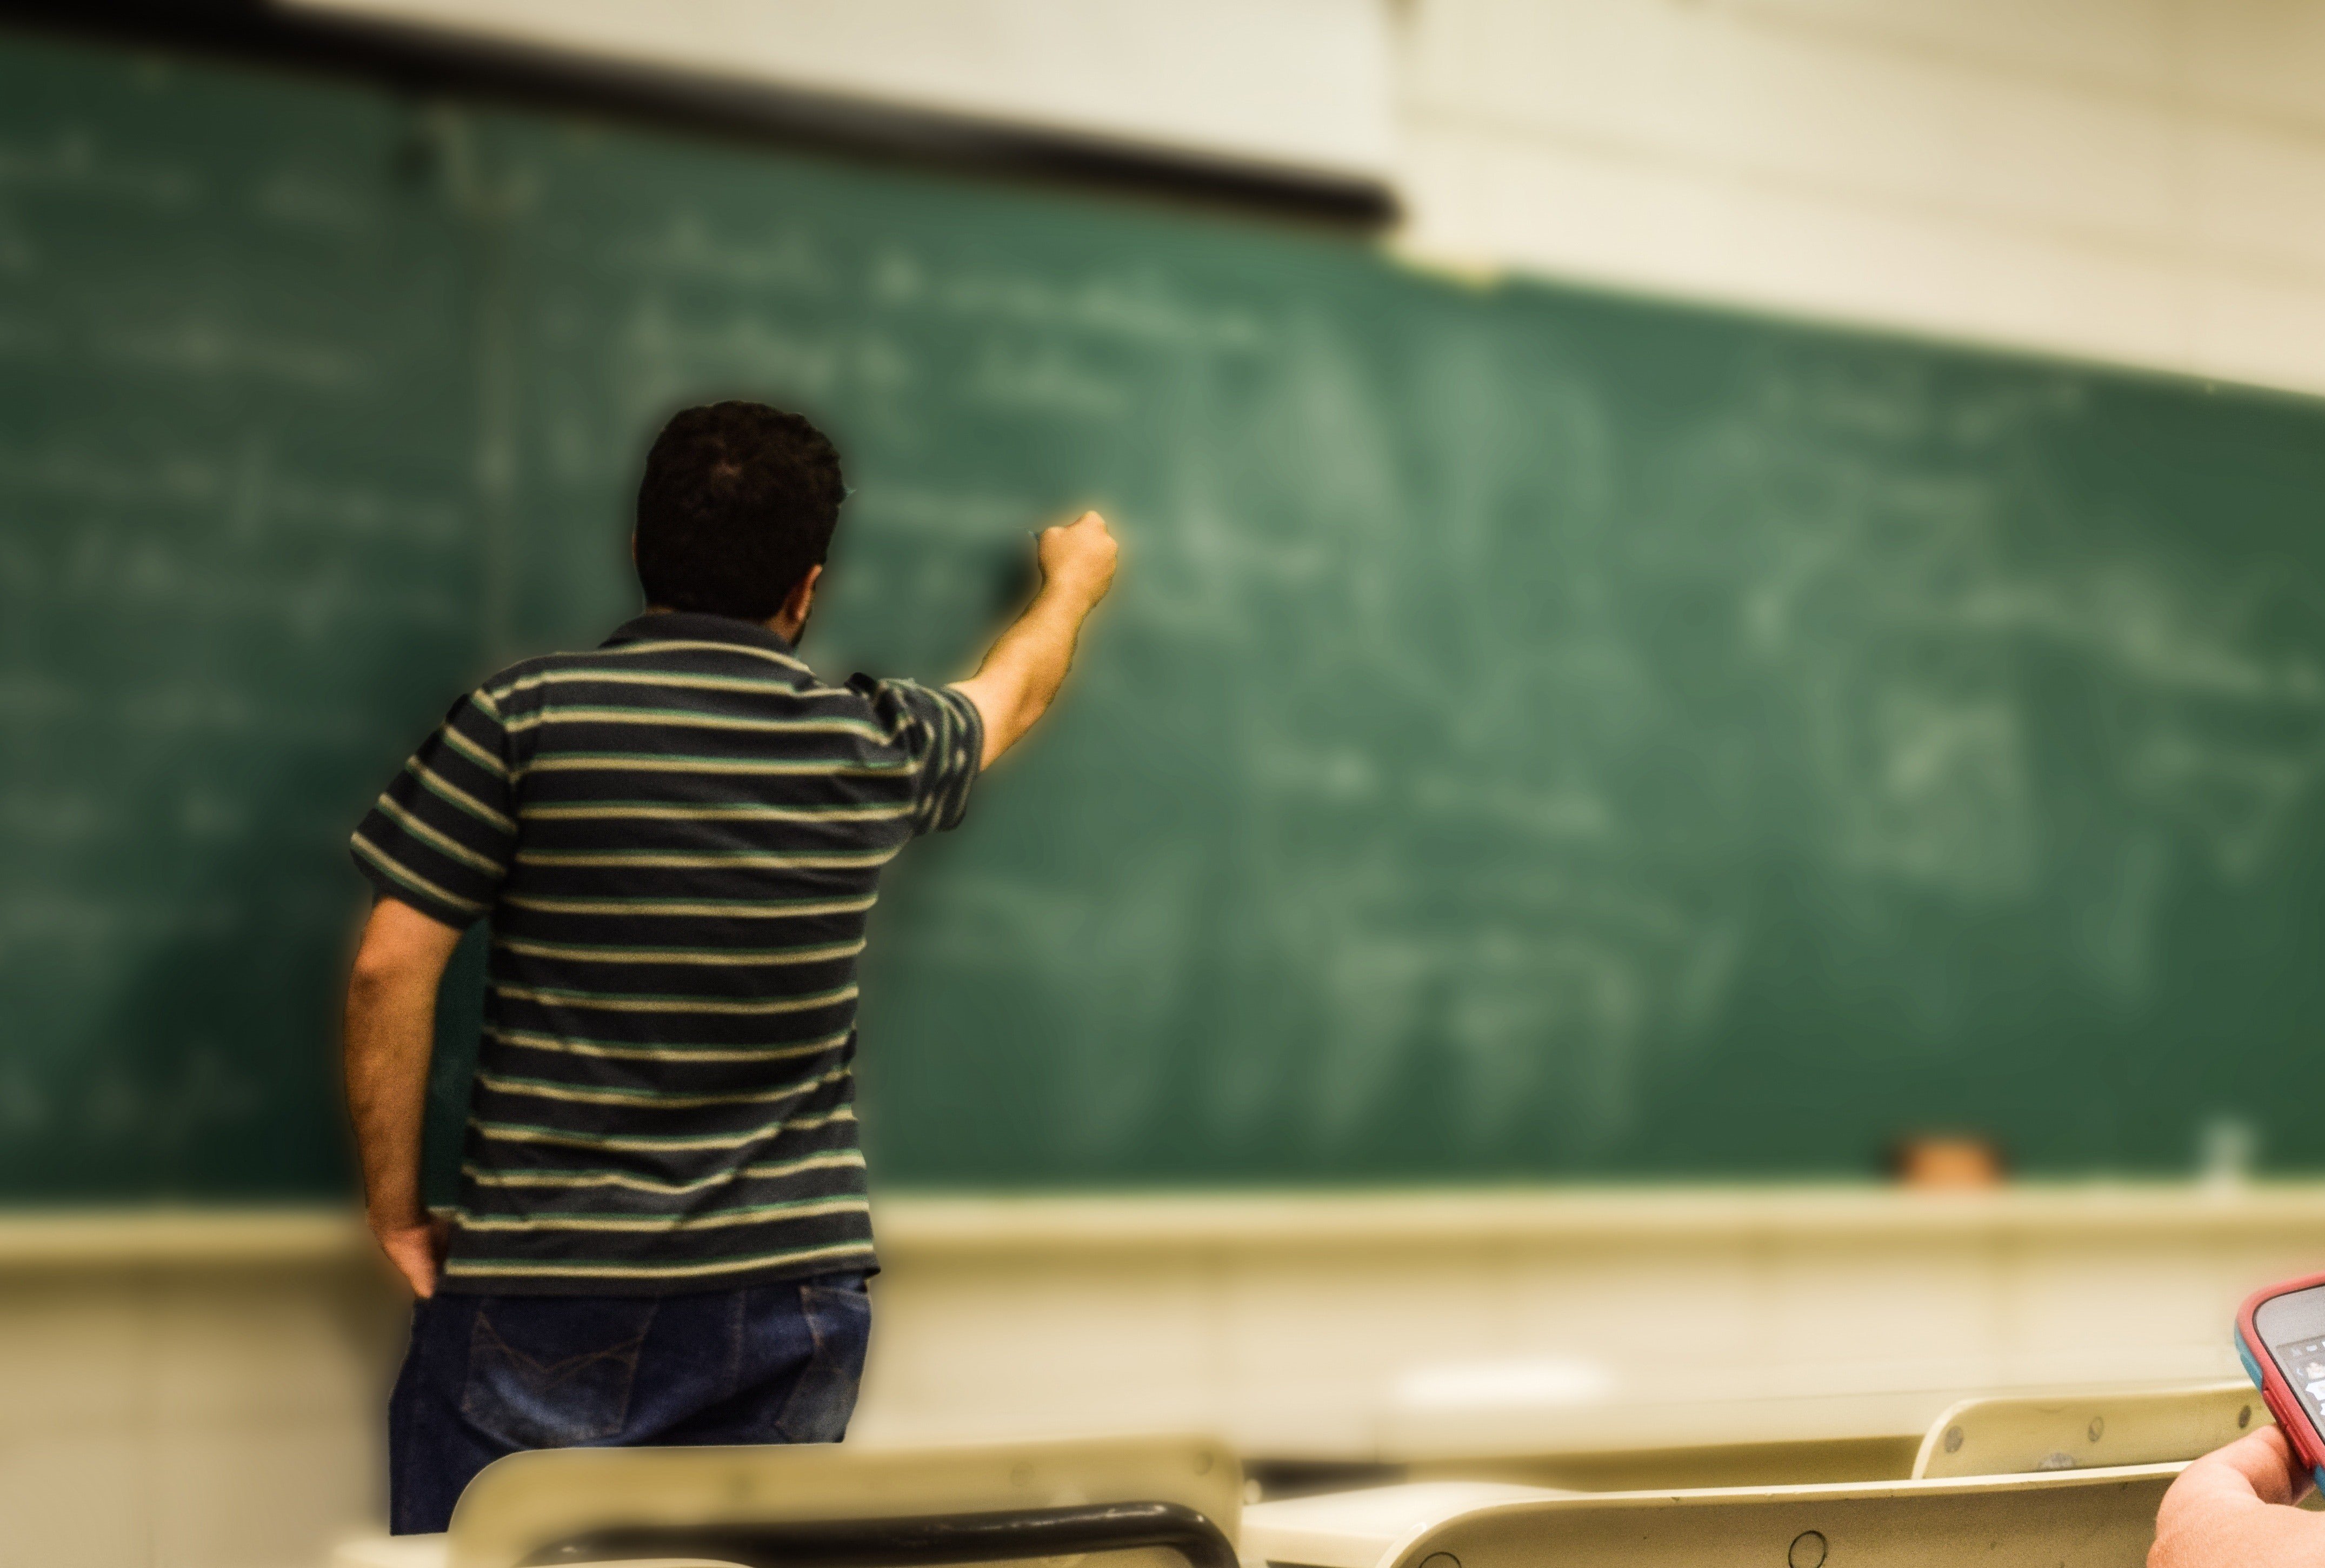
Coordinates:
677 838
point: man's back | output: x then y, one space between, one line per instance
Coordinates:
662 1234
677 838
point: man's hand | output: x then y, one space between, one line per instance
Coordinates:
1078 558
416 1250
1021 676
2231 1510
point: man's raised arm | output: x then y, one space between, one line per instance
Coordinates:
391 1031
1021 675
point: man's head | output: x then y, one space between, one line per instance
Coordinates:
736 507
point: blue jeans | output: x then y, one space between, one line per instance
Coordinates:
489 1374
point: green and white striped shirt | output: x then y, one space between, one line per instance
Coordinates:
677 838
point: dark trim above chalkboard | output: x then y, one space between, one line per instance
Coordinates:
418 61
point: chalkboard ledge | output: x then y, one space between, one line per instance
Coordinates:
179 1237
916 1225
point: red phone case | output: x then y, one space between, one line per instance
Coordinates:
2292 1419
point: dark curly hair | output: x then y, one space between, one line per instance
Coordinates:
738 501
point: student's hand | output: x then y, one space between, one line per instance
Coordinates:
2231 1510
416 1249
1078 558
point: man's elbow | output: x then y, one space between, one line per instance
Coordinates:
996 707
400 948
1011 726
381 971
998 738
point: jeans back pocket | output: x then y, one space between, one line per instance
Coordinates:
839 1317
548 1371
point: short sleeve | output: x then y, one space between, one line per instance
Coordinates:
440 836
943 737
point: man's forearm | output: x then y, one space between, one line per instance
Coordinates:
391 1033
1026 666
1021 675
391 1030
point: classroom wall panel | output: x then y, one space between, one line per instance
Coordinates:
2253 197
2261 57
1717 89
2078 142
2131 46
1492 199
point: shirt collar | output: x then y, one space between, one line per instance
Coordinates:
686 626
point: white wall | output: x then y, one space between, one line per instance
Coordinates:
2136 180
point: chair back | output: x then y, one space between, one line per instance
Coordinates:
2094 1519
954 1502
2009 1435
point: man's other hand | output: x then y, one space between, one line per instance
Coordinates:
1078 558
2232 1509
417 1250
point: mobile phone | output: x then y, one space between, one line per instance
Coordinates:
2281 1339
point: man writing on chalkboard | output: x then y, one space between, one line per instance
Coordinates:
663 1233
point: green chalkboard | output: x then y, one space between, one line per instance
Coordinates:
1538 734
238 553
